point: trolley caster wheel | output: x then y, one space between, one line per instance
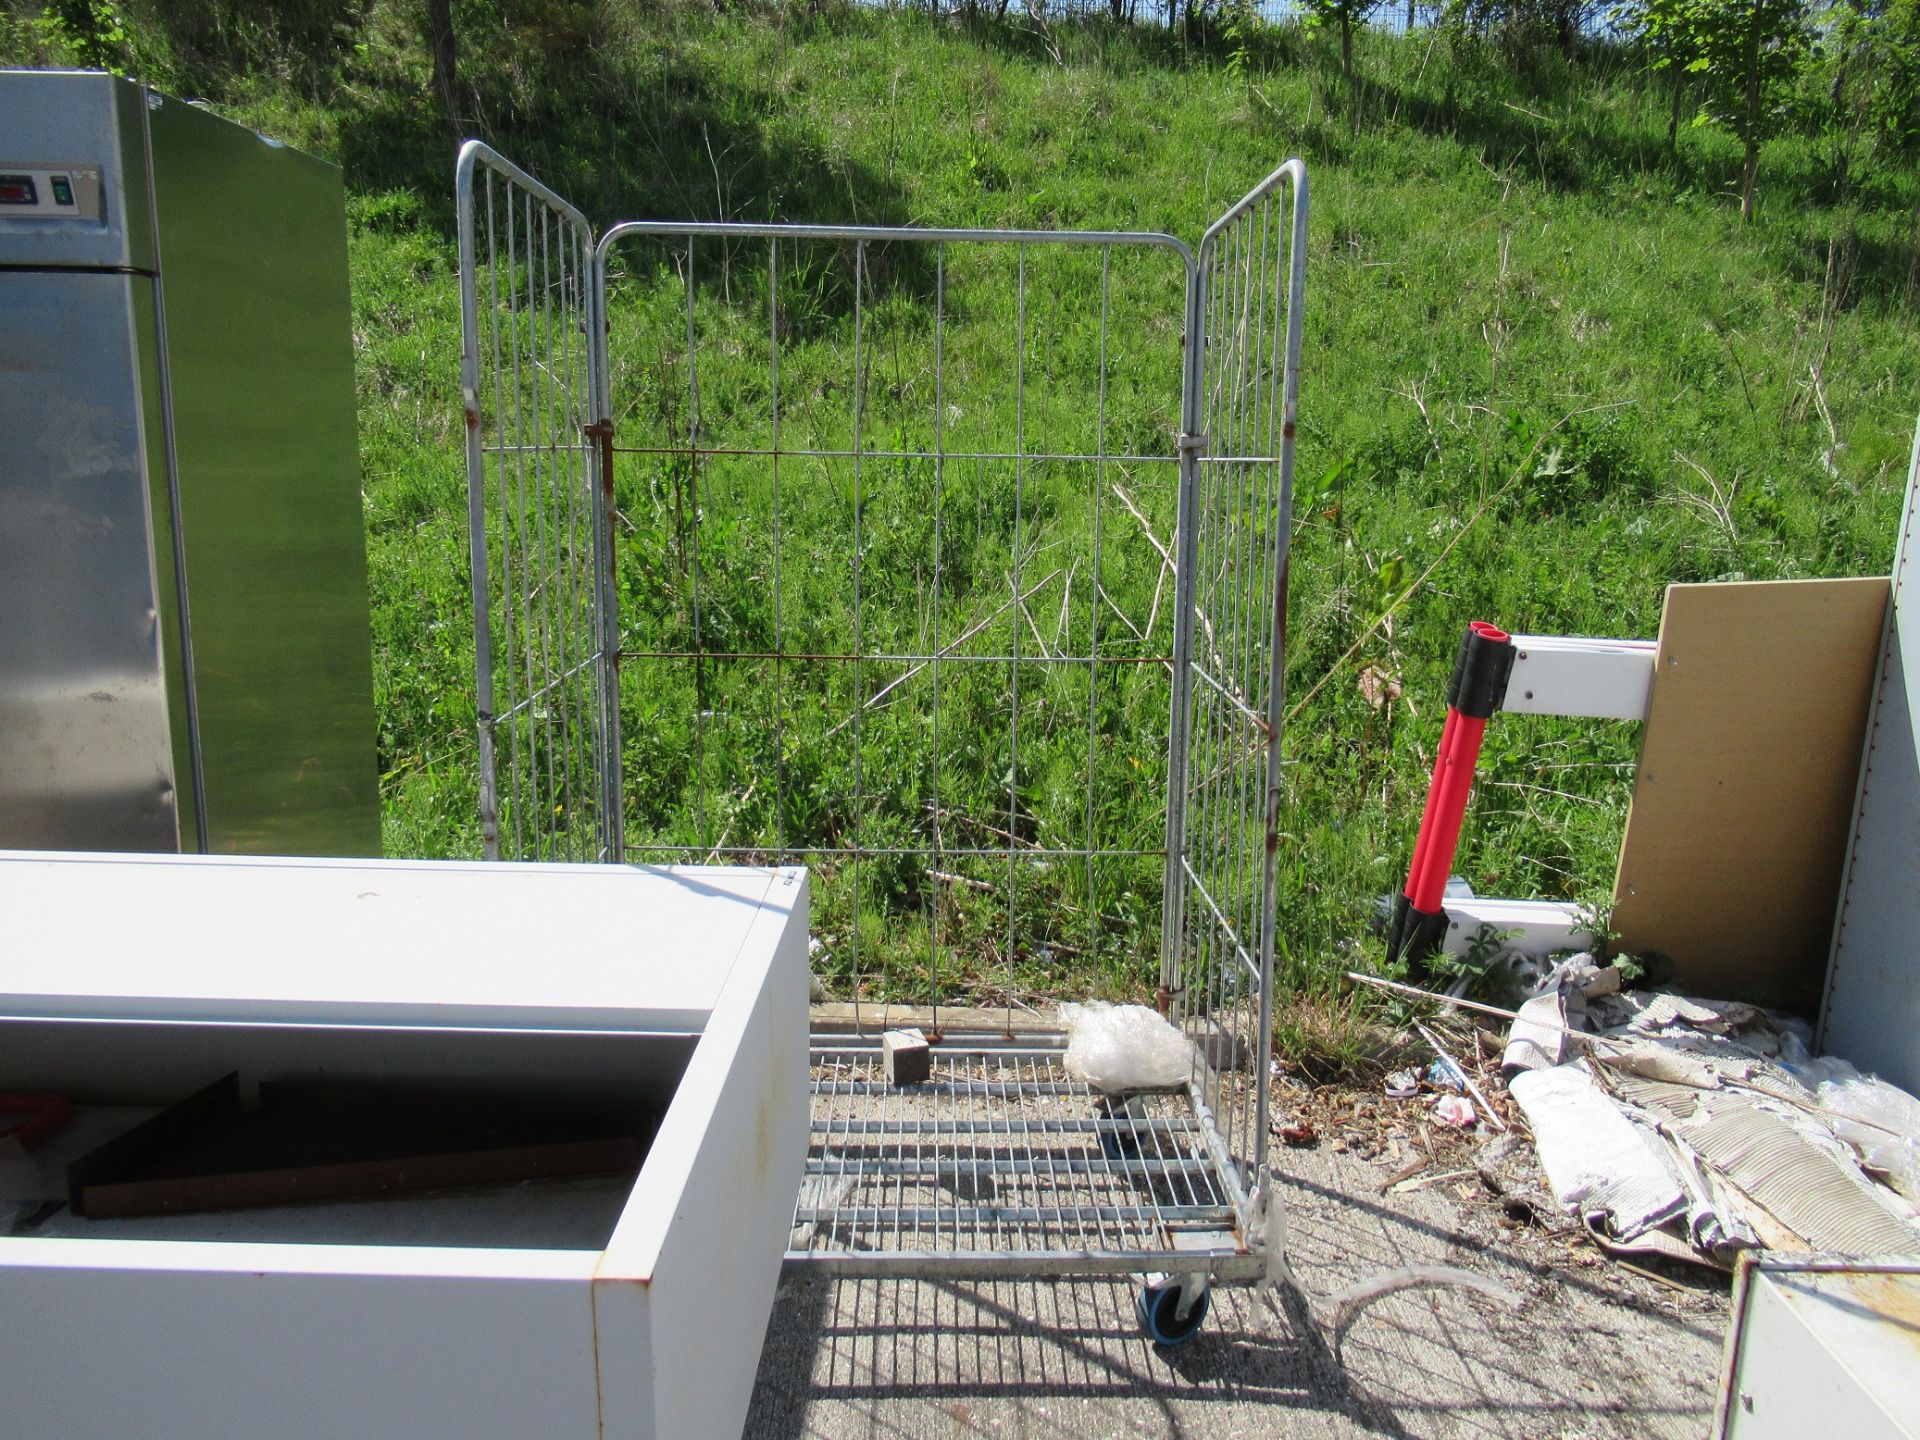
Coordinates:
1158 1307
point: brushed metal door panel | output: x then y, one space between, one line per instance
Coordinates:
87 759
253 275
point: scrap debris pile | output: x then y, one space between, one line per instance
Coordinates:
1696 1129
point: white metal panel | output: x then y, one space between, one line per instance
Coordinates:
1871 1012
1528 927
353 942
657 1336
699 1249
1574 675
104 1339
1824 1351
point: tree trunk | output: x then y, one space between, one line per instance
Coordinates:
1409 17
1746 175
446 58
1913 264
1346 41
1750 131
1673 120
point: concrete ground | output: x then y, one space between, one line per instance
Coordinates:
1595 1351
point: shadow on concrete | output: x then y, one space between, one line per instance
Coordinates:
1066 1357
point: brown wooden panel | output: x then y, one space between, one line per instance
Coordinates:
1731 862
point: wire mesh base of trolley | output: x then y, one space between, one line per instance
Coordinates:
1003 1165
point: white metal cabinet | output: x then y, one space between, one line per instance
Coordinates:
1823 1345
123 977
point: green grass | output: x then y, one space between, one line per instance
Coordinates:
1548 372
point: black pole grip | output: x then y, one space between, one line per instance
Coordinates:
1413 934
1481 670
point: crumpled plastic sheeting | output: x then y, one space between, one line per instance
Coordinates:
1880 1121
1597 1160
1118 1048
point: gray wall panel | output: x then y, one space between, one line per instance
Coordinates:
1871 1014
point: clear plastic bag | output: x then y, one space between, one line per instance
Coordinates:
1880 1121
1117 1048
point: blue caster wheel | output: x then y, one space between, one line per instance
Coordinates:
1158 1307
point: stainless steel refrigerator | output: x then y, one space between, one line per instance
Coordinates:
185 659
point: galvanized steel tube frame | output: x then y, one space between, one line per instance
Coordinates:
1246 261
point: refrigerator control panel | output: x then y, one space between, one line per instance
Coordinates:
41 192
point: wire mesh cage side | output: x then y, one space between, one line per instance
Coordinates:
1245 386
894 513
537 525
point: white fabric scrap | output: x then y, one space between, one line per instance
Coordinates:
1596 1159
1541 1035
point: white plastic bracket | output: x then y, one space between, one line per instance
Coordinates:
1576 676
1528 927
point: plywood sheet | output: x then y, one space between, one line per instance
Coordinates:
1744 795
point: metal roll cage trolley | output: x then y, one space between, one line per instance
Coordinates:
1002 1165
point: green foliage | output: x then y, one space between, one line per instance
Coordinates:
298 42
1484 950
1525 26
1342 17
91 30
1594 918
1665 31
1548 373
1865 90
1888 38
1750 54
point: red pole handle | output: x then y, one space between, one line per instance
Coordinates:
1446 810
1479 683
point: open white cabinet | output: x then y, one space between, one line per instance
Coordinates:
591 1307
